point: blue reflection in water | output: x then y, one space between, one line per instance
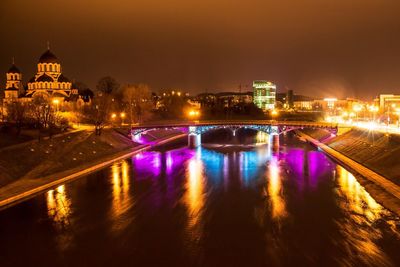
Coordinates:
186 207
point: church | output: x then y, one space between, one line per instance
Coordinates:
48 82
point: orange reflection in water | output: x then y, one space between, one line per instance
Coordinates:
195 197
59 206
275 190
121 198
59 210
359 200
363 211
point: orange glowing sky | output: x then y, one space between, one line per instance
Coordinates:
330 48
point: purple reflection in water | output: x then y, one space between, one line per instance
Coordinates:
295 159
147 163
156 163
317 166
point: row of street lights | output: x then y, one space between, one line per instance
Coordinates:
122 115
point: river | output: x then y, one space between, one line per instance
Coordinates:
204 207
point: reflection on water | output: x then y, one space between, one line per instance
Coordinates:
183 207
363 211
275 189
59 206
195 196
122 200
59 210
359 201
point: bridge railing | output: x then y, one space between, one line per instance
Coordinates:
169 124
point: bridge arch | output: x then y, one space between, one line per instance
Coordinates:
196 129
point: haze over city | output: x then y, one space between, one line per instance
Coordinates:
200 133
326 48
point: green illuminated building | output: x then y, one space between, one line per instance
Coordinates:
264 94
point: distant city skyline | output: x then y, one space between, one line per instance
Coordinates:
330 49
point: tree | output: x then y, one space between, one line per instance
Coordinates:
43 113
99 111
84 91
137 100
107 85
173 105
17 114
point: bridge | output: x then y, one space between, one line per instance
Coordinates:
196 128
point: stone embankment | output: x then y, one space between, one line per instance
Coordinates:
35 167
377 151
373 157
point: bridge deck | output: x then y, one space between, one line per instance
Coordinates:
236 122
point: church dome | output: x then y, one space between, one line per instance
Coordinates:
13 69
48 57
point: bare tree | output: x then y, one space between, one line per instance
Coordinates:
98 113
107 85
43 113
137 99
17 113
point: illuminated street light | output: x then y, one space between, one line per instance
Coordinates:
373 109
113 116
274 113
122 115
194 113
357 108
56 102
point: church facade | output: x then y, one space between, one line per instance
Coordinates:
48 82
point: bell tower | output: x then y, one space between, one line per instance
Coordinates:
13 82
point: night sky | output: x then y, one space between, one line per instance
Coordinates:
325 48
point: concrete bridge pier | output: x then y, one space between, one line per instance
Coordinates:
274 142
194 140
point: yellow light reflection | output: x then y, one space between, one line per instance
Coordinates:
122 201
358 199
194 196
59 211
363 211
59 206
275 191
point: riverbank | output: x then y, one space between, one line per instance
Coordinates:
382 188
36 167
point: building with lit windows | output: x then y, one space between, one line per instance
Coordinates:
388 102
48 82
264 94
13 84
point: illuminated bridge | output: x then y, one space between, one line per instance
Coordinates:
194 129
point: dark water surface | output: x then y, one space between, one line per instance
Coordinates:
185 207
